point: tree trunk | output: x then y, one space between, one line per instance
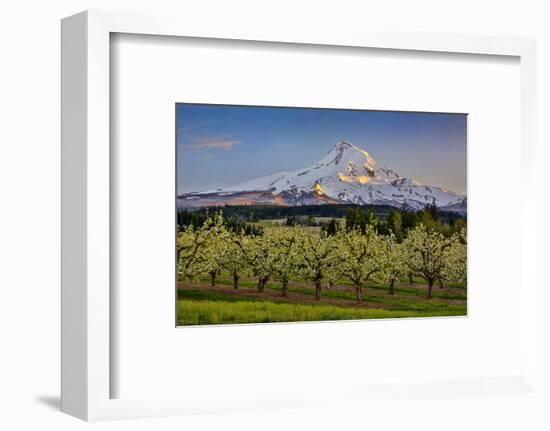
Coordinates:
285 288
430 286
318 290
262 282
235 280
392 284
213 278
358 293
441 284
411 279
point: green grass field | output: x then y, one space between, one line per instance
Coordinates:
201 304
192 312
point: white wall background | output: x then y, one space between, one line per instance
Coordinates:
30 183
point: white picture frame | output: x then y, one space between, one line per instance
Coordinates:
86 169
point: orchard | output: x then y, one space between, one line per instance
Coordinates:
349 251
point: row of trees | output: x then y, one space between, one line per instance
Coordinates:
358 254
254 213
399 222
234 223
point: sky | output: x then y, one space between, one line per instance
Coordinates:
222 145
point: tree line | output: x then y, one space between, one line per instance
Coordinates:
253 213
233 223
356 251
399 222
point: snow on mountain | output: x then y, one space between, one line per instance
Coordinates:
346 174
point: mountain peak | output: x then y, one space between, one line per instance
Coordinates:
342 146
346 174
346 156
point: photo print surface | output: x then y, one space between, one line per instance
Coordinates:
306 214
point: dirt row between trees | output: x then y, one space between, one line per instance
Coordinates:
293 297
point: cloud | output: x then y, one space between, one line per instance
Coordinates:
204 144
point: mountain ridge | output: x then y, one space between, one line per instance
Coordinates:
346 174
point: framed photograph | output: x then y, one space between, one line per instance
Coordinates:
237 199
281 220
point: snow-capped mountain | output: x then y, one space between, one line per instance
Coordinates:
346 174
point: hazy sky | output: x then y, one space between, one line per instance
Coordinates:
220 145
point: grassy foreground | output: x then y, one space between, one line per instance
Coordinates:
205 305
192 312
